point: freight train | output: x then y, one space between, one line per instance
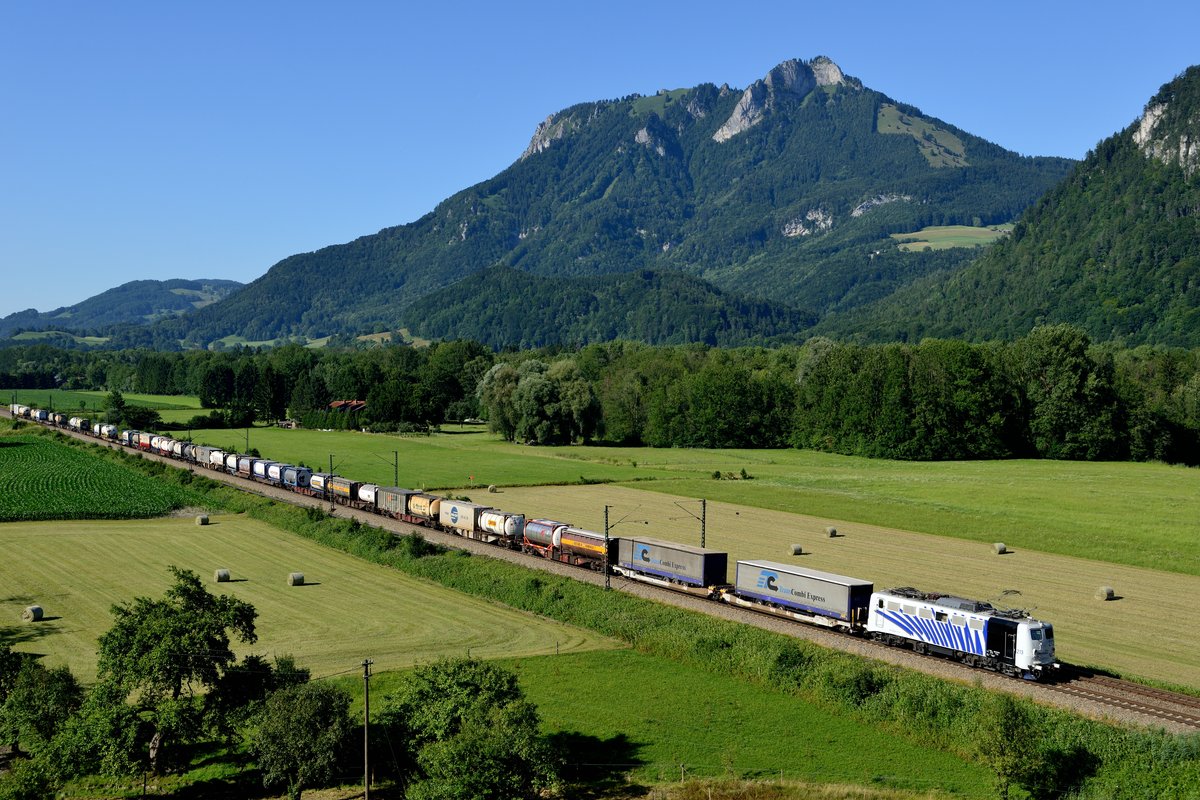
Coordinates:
976 633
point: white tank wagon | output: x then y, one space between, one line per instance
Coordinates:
972 631
259 469
500 526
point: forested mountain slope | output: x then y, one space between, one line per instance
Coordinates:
785 191
133 302
1115 249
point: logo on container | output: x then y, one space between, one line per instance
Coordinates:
766 580
644 554
454 514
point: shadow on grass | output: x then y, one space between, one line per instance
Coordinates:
595 767
30 632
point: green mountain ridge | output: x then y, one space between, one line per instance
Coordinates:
135 302
1114 249
785 192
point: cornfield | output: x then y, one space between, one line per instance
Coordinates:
42 480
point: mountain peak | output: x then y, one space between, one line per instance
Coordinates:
795 78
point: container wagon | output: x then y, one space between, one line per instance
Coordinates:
675 566
809 595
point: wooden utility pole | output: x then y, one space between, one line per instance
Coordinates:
366 665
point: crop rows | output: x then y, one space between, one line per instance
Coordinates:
43 480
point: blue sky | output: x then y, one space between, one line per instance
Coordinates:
189 140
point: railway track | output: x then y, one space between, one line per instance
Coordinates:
1169 707
1077 689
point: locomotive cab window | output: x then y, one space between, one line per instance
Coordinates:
941 616
1049 631
1035 634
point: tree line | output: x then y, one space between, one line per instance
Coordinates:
1050 394
169 685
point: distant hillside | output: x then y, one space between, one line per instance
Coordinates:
786 191
506 307
1114 249
134 302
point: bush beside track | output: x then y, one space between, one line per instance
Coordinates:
1093 759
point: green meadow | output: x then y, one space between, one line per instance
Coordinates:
621 712
92 401
943 237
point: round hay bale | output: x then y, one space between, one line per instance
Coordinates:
296 579
492 488
999 548
221 576
832 531
797 550
1105 593
32 614
202 519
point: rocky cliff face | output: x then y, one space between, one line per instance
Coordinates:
550 130
793 78
1169 143
1169 129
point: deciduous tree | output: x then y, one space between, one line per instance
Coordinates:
162 653
302 732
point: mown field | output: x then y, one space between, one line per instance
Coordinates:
467 458
41 480
347 611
